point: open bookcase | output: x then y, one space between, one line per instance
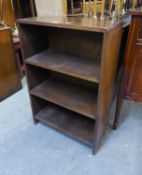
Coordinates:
70 67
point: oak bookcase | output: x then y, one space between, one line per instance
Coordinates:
70 67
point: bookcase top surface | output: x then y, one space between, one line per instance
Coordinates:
76 23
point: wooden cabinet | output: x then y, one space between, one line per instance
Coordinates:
71 65
9 76
134 89
131 84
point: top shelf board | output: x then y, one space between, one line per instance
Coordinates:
76 23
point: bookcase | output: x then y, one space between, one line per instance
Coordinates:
71 66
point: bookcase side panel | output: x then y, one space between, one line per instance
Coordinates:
110 55
34 39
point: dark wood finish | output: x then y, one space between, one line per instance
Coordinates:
34 78
67 64
68 123
9 75
17 48
131 81
134 89
54 47
111 48
78 23
29 40
68 95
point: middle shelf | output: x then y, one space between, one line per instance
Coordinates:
75 66
66 94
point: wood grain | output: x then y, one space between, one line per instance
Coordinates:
67 122
68 95
112 41
67 64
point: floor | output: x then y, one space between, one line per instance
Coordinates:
27 149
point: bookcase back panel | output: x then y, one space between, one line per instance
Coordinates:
80 43
82 83
34 77
34 39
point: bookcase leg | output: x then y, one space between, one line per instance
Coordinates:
117 112
95 150
97 142
100 129
35 121
120 98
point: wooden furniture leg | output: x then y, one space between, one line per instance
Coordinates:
118 109
120 98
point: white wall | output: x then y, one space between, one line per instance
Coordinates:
49 7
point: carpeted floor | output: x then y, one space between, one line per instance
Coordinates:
27 149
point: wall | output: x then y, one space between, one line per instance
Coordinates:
49 7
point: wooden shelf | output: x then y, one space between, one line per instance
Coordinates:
69 123
68 95
74 66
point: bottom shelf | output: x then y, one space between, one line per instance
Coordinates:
69 123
